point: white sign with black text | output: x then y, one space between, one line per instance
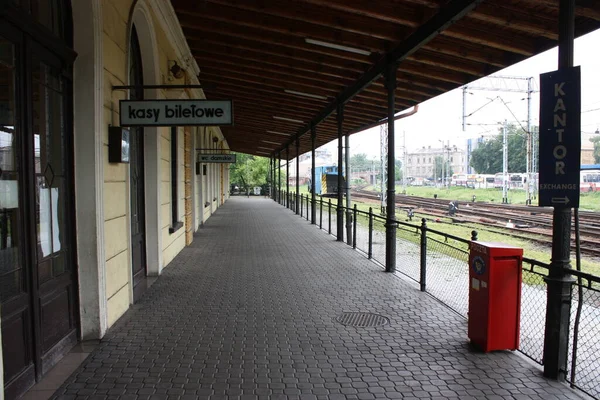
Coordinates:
176 112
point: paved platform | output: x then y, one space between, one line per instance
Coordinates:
248 311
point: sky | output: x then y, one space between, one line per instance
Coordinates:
440 119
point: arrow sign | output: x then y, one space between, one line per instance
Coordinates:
560 200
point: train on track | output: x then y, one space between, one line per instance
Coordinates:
589 180
326 181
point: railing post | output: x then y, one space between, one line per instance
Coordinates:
354 228
321 213
329 214
423 281
301 205
370 253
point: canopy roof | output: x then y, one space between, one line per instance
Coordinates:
268 55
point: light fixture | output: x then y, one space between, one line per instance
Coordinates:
338 47
262 152
313 96
175 70
288 119
279 133
264 148
267 141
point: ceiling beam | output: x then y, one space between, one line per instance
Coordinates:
452 12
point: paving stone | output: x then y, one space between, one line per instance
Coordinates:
248 312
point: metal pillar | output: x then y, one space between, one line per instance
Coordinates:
297 176
279 180
559 280
287 176
274 176
348 200
383 150
340 189
390 225
271 182
313 141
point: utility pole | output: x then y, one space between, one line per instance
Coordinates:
504 164
500 84
403 162
529 161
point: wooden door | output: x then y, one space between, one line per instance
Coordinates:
15 272
50 194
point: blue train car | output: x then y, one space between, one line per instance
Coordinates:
326 180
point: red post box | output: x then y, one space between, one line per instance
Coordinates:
494 296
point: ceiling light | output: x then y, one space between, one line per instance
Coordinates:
338 47
267 141
264 148
314 96
262 152
288 119
279 133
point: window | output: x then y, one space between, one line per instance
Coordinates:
175 223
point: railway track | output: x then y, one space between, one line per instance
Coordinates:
530 223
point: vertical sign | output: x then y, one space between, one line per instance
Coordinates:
560 138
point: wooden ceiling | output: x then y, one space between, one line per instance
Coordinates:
260 52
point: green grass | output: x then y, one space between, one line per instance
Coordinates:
531 249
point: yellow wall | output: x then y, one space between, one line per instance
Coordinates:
116 229
116 176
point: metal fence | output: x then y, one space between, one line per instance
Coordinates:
584 352
438 262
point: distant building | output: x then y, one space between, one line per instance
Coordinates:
420 163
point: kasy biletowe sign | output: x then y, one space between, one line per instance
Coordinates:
175 112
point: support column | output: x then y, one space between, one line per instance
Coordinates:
272 174
313 141
340 189
279 180
390 227
348 200
559 281
287 176
297 175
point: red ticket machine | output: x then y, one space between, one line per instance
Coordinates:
494 296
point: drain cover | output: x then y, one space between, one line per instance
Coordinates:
362 319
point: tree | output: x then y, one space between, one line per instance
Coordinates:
487 157
249 171
596 141
360 162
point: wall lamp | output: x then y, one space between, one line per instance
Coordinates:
175 70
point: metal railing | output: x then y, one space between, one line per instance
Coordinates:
438 262
584 351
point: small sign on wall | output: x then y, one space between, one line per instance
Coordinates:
217 158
